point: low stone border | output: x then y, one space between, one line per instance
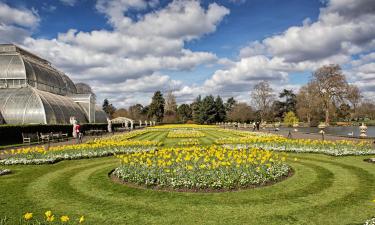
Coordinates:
118 180
5 172
370 160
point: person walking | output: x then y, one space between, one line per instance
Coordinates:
79 133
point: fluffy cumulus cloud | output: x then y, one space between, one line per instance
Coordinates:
133 52
130 61
345 28
362 73
16 24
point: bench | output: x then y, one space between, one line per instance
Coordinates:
59 136
27 138
45 137
95 132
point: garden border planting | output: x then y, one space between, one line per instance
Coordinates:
118 180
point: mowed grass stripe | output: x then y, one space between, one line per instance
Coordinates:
80 203
323 190
224 204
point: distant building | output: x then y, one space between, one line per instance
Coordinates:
34 92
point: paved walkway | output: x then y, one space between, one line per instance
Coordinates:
313 136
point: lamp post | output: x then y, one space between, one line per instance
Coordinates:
295 125
363 131
321 126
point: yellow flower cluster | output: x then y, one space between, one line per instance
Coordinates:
175 126
188 142
282 141
112 142
126 136
185 134
49 217
201 158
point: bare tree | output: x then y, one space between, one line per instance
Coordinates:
332 87
354 97
367 109
170 107
307 102
262 97
241 112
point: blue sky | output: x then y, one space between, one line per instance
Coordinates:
194 47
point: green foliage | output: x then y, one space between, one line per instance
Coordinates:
196 106
343 112
108 108
280 108
184 112
290 119
220 110
229 104
156 108
208 110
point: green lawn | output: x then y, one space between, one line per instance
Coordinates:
323 190
210 136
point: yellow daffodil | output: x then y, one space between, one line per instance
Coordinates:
28 216
81 219
48 213
64 219
50 218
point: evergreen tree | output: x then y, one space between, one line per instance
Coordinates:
184 112
220 109
208 110
156 108
229 104
280 108
108 108
196 110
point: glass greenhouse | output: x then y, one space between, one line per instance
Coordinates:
34 92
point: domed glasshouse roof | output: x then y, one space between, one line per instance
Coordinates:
32 91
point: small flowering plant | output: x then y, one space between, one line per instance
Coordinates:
198 168
372 220
48 218
4 171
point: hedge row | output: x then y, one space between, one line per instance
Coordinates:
12 134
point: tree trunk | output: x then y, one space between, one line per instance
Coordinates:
327 116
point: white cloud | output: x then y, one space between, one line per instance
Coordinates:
69 2
248 71
18 17
344 28
133 52
253 49
16 24
129 62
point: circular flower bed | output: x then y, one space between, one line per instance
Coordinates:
370 222
202 168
